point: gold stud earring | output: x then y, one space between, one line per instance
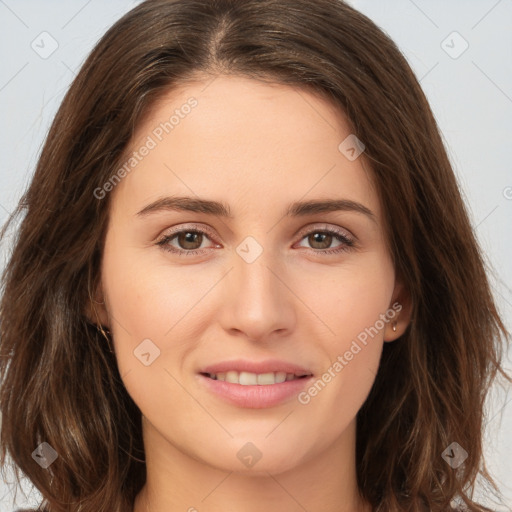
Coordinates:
393 326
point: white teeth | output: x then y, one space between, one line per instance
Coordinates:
253 379
280 377
232 377
266 378
247 379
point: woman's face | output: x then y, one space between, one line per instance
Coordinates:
240 273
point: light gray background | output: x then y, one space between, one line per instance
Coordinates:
471 96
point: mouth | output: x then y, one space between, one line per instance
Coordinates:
255 379
252 384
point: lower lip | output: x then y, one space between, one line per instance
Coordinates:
256 396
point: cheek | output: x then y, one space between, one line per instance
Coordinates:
353 304
144 300
349 299
157 308
152 307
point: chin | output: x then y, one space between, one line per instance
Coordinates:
257 458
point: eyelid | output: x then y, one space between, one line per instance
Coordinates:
301 233
327 227
187 227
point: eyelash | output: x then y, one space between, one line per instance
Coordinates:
164 242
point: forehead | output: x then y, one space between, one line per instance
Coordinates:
234 135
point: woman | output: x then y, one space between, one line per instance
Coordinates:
245 278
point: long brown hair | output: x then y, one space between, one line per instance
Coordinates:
60 383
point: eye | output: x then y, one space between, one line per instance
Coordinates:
321 239
189 241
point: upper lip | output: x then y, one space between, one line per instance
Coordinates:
245 365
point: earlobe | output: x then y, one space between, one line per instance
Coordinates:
400 310
392 331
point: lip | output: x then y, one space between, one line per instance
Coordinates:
255 396
267 366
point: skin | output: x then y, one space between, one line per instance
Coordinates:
256 147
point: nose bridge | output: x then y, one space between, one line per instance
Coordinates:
258 303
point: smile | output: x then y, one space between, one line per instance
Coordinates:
254 379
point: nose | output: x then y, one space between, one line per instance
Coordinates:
257 302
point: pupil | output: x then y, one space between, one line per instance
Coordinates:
188 238
319 238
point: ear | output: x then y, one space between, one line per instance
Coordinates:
401 305
95 308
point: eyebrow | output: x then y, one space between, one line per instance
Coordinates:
219 209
